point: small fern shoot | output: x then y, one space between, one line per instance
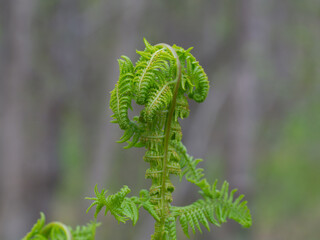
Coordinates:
59 231
163 80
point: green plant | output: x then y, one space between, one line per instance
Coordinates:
59 231
161 80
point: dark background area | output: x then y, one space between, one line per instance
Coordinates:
259 127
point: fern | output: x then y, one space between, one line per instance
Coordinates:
171 230
145 202
59 231
148 70
196 75
163 80
216 209
36 229
121 94
120 207
85 232
158 99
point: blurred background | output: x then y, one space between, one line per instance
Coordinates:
259 127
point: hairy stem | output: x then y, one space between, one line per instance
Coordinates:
163 202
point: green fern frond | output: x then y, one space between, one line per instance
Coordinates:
196 75
36 229
161 80
134 131
130 210
87 232
120 207
186 83
215 210
191 172
148 71
100 200
144 201
59 231
182 107
56 230
121 95
170 228
158 99
187 163
149 47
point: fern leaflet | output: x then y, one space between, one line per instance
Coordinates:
215 210
120 207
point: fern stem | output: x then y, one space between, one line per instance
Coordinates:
46 230
163 202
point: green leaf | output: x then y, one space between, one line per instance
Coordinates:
85 232
170 228
148 72
121 95
120 207
158 100
216 210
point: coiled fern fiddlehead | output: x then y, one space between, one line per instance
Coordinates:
59 231
161 81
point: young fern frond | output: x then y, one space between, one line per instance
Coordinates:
216 210
59 231
144 201
162 80
87 232
121 207
188 163
121 95
158 100
148 71
171 228
133 131
196 75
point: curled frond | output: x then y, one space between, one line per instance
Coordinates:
198 78
148 71
121 95
57 230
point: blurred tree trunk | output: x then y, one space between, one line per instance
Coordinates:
16 60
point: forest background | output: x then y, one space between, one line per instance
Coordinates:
259 127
